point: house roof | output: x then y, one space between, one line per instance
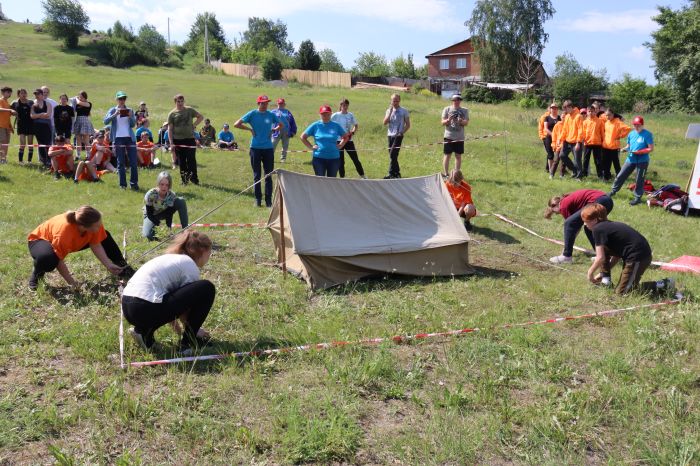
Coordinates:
441 51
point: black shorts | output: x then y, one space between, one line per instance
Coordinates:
451 146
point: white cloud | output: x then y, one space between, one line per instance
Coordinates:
637 21
639 52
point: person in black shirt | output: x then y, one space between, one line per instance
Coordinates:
63 114
23 121
615 241
550 120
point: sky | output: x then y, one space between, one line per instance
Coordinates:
599 34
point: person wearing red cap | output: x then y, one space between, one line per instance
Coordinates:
326 147
288 129
262 123
640 143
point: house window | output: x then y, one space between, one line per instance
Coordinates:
461 63
444 63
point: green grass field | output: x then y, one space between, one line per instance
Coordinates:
614 390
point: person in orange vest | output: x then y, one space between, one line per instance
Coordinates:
593 132
557 143
546 125
615 129
573 137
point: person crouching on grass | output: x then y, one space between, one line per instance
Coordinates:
615 241
160 203
73 231
461 194
61 156
169 287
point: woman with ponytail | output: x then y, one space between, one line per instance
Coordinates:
169 287
75 230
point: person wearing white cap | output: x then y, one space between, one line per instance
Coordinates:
454 119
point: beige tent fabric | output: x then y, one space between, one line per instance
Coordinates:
339 230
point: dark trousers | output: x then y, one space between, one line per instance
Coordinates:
394 148
124 147
42 133
547 141
611 157
195 299
262 160
567 149
631 275
625 172
597 160
352 153
573 224
325 167
187 159
46 260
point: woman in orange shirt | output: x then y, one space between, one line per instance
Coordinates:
53 240
461 194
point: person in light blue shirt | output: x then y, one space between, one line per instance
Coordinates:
261 123
144 128
288 129
640 143
398 123
326 147
226 139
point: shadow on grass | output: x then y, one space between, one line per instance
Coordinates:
496 235
225 189
4 179
92 293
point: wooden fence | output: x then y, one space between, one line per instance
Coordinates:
314 78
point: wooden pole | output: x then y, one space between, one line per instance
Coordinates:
283 247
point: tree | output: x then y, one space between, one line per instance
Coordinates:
371 64
307 58
218 47
403 67
271 66
676 50
122 32
330 62
504 30
152 44
263 32
573 81
626 93
528 65
65 20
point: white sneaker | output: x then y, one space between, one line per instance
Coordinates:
606 281
561 260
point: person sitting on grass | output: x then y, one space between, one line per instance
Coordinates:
144 128
615 241
61 156
73 231
97 162
160 203
207 134
569 206
461 194
145 151
169 287
226 139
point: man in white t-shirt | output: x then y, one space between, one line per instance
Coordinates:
398 122
50 104
349 123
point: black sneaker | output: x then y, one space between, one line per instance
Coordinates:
56 176
143 340
635 201
135 187
188 347
468 225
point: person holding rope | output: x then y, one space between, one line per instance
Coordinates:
169 287
262 153
122 121
349 123
160 203
73 231
569 206
615 241
329 139
454 119
461 194
398 120
181 132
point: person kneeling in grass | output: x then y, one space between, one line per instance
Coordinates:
615 241
169 287
461 194
61 155
160 203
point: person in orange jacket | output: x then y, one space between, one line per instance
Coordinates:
546 125
593 132
557 143
573 137
614 130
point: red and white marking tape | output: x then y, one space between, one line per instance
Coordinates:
668 265
396 338
223 225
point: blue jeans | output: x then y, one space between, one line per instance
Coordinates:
149 224
262 160
326 167
625 172
122 147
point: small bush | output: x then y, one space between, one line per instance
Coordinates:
528 102
271 68
485 95
121 53
425 93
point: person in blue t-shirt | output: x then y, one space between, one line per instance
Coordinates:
288 130
226 139
640 143
262 123
326 134
144 128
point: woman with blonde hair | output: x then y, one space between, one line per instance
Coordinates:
75 230
169 287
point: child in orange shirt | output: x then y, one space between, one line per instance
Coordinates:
145 151
61 155
461 194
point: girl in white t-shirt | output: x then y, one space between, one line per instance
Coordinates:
167 288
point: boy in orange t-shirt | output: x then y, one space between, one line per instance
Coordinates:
461 194
61 155
145 150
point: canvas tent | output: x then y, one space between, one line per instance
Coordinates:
330 231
